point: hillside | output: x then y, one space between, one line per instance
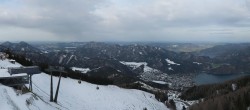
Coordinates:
75 96
228 58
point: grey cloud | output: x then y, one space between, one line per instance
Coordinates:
58 16
127 20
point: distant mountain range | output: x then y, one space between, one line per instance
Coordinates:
101 57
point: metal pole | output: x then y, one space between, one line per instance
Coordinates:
51 87
55 100
30 85
31 82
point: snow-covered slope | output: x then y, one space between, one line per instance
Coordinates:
86 96
10 100
75 96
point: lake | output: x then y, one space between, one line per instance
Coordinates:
205 78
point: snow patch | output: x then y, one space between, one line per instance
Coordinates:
171 62
82 70
197 63
147 86
170 68
134 65
160 82
71 58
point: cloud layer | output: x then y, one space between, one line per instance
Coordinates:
125 20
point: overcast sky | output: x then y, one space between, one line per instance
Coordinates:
125 20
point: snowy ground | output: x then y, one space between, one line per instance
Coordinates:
9 100
5 64
75 96
85 96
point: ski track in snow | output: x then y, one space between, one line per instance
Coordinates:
9 100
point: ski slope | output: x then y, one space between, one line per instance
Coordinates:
75 96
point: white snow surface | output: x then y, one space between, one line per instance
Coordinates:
160 82
85 96
82 70
6 63
9 100
4 68
171 62
134 65
75 96
170 68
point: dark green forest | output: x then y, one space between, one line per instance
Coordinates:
220 96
